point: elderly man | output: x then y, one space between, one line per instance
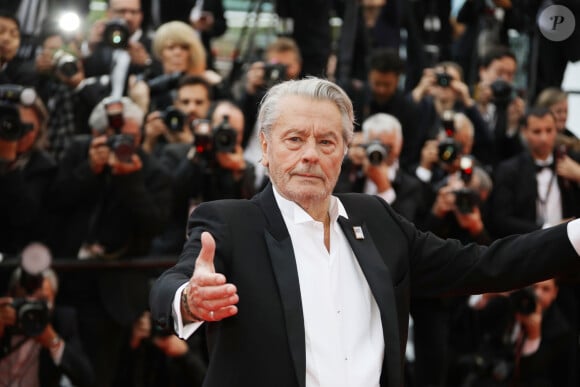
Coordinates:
302 288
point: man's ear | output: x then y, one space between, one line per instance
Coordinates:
264 145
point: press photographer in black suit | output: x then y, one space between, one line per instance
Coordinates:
372 166
112 199
27 171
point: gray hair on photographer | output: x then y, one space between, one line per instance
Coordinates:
15 278
100 122
382 123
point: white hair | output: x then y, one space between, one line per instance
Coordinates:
382 123
99 121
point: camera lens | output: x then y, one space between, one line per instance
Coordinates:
174 119
116 34
376 153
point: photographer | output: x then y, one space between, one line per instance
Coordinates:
210 167
440 156
117 45
523 339
154 356
26 170
173 125
40 340
442 89
113 199
499 105
372 166
12 69
282 61
68 94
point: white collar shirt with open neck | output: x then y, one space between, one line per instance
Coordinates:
344 337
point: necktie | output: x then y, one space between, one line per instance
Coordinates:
541 167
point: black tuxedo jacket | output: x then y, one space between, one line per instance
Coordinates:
514 196
264 344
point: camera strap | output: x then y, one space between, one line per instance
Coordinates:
544 201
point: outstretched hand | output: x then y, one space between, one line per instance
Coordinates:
209 296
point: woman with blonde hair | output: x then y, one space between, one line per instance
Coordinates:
177 46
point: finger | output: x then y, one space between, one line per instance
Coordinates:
205 259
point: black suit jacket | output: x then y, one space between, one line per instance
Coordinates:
264 344
514 196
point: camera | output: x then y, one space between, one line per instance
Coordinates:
502 91
274 73
123 146
465 200
158 330
173 118
65 63
443 79
448 150
164 83
116 34
222 138
523 301
376 152
31 316
11 127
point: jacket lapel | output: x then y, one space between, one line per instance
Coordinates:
380 282
286 273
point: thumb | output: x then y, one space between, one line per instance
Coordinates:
207 253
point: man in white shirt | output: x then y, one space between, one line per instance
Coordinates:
302 288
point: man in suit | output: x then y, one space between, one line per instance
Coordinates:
530 190
302 288
104 58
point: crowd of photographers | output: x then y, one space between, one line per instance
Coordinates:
108 142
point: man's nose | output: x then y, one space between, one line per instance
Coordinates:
310 151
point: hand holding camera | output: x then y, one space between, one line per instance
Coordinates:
98 154
264 75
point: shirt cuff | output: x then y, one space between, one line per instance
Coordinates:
389 195
181 330
423 174
573 229
531 346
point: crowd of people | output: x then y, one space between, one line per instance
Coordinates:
109 141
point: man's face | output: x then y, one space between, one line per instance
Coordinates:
193 100
289 59
9 39
502 68
546 292
305 150
391 141
383 85
129 10
540 134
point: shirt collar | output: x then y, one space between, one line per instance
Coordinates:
292 212
542 163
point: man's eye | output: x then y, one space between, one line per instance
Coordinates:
294 139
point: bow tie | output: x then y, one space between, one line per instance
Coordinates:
540 167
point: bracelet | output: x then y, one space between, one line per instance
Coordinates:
185 304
